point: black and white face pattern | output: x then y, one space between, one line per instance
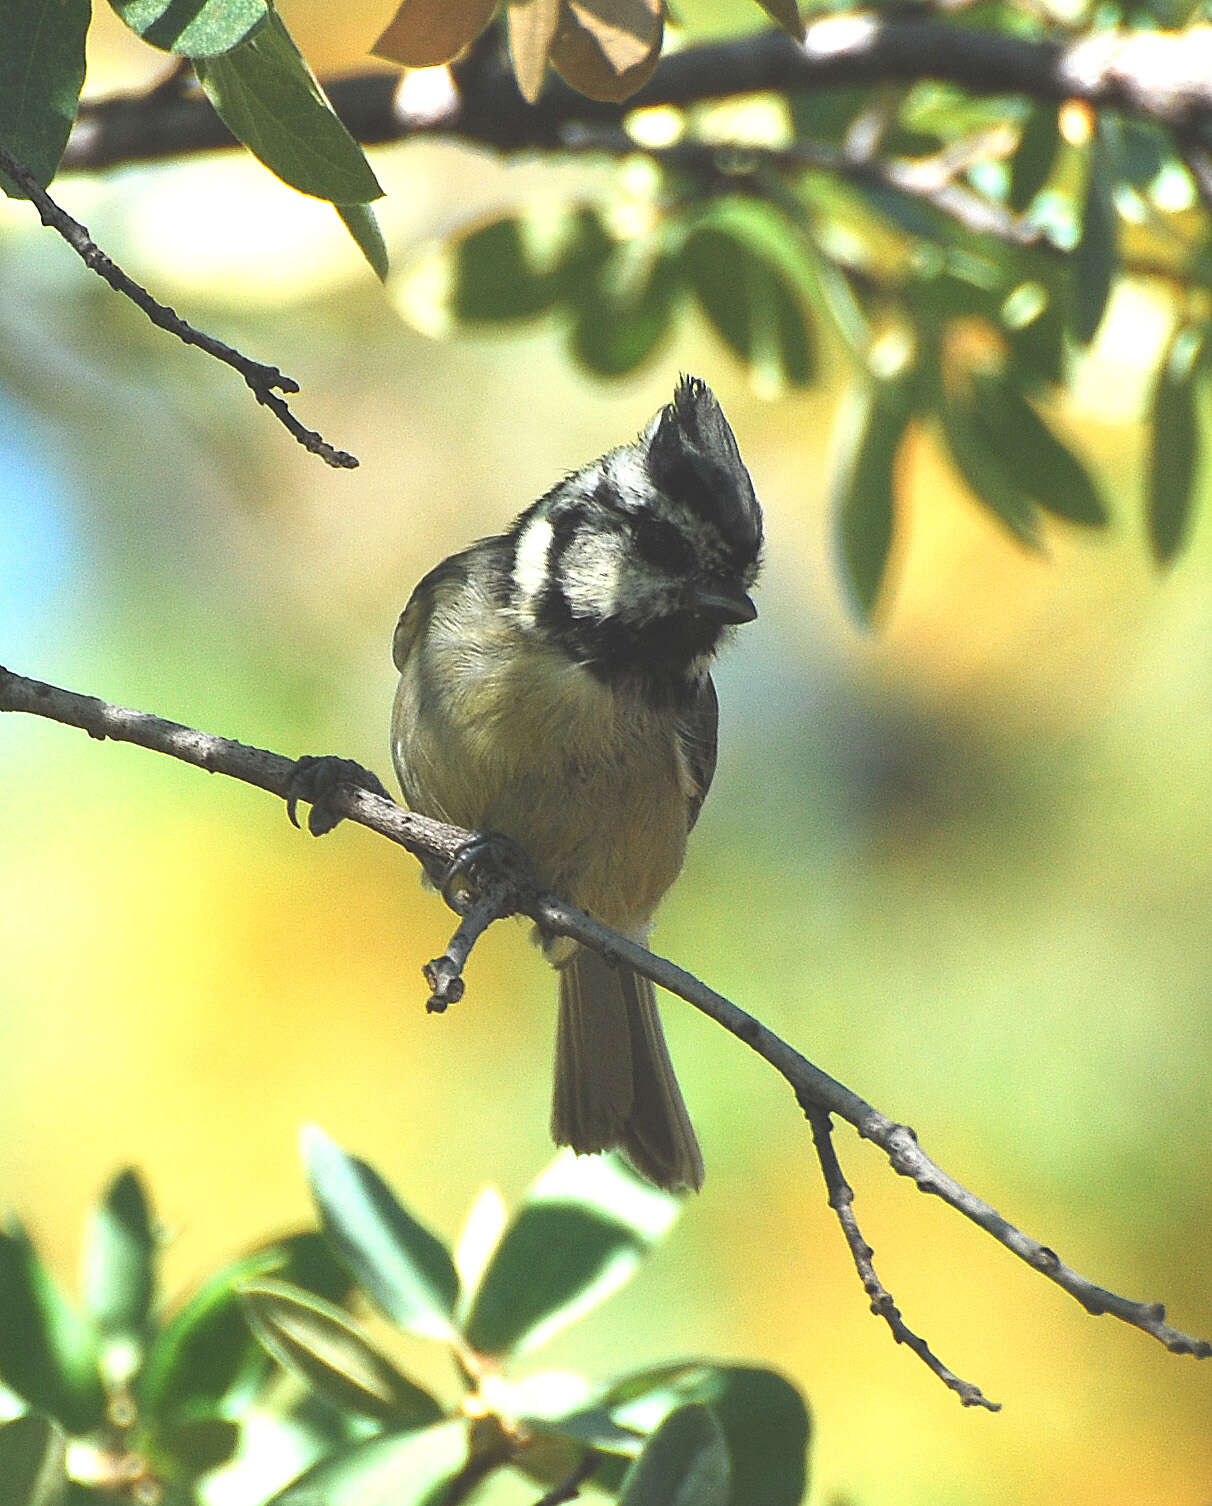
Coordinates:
641 560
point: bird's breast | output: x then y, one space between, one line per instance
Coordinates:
493 731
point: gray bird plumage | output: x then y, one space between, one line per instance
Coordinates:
554 686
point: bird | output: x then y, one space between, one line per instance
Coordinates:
555 688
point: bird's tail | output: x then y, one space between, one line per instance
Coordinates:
614 1081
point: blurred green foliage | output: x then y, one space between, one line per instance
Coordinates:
961 251
266 1364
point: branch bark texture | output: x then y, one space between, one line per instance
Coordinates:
820 1096
1161 76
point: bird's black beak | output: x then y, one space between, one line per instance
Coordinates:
723 605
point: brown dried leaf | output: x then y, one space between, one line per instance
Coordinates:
608 49
424 33
787 14
532 26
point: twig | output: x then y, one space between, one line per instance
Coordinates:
444 974
265 382
815 1090
569 1488
841 1200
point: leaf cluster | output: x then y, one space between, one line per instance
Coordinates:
244 59
958 252
266 1362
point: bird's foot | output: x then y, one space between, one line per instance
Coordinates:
315 780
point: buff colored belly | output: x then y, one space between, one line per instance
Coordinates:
591 786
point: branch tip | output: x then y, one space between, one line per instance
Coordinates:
260 378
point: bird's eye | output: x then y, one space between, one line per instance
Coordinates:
663 545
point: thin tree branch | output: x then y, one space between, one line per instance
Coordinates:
1161 76
817 1093
265 382
841 1200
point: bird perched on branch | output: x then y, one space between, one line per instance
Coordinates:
554 687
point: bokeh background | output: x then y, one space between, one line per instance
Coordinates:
962 863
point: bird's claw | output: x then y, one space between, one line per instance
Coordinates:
489 858
315 780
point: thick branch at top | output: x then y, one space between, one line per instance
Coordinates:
1164 76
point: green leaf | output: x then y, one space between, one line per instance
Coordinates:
41 73
684 1463
864 485
403 1268
1032 316
48 1353
996 486
316 1341
750 278
621 316
360 221
762 1416
400 1469
582 1232
207 1348
1028 449
1031 165
1175 447
1096 256
193 28
120 1259
33 1462
191 1447
267 97
496 278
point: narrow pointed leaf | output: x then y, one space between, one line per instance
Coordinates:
360 221
1028 449
41 73
787 14
193 28
267 97
989 480
316 1341
120 1259
586 1225
1175 446
403 1268
864 486
187 1449
762 1416
48 1353
753 279
684 1463
206 1349
33 1462
621 319
1034 156
423 33
496 279
532 28
1095 258
398 1469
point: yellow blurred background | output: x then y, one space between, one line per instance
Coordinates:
963 864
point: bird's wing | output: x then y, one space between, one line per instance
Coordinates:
697 736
